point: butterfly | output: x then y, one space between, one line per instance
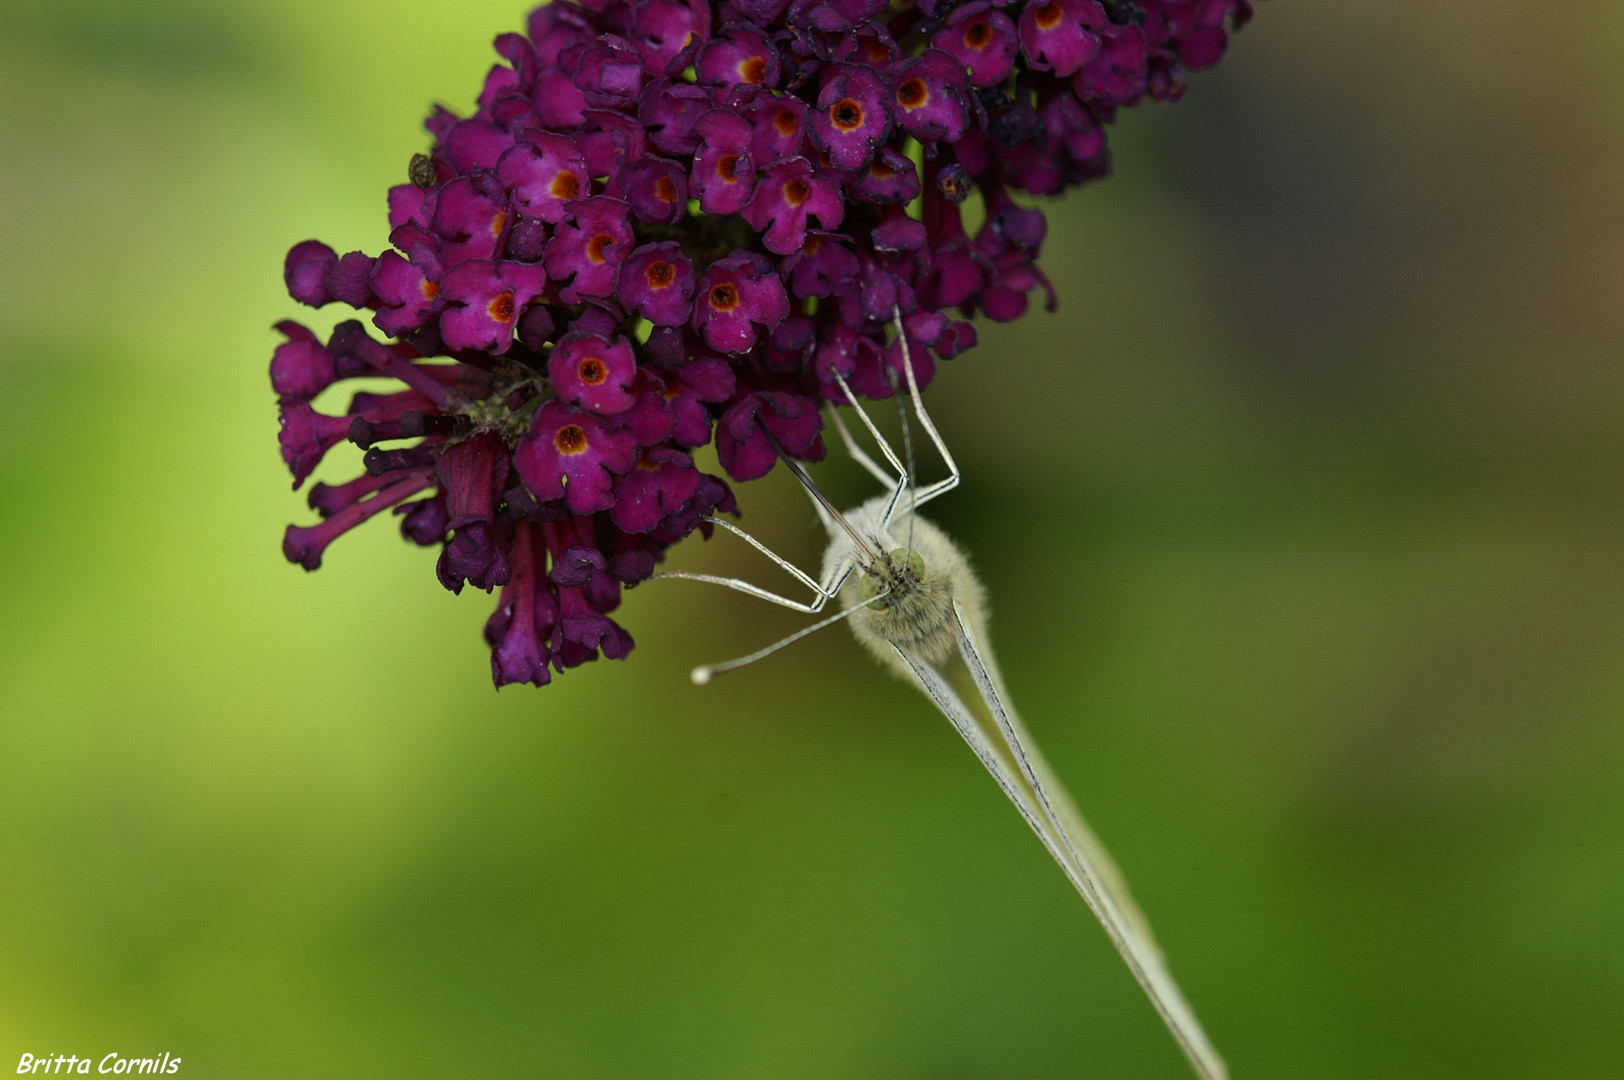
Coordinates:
912 600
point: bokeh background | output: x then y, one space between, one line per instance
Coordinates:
1302 520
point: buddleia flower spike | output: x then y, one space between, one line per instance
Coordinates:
668 222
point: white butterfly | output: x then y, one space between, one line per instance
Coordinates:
913 601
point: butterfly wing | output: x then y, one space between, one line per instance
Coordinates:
1008 753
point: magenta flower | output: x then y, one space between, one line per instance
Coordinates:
662 481
852 117
724 169
982 39
889 178
484 301
786 195
652 231
777 126
742 433
470 217
656 188
408 290
473 475
1061 35
593 372
739 55
542 173
735 296
931 95
587 251
657 282
307 272
573 456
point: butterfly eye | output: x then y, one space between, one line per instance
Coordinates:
868 588
911 561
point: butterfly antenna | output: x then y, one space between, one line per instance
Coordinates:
706 672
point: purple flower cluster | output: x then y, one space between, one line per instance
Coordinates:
668 218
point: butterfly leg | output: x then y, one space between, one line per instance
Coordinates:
822 594
825 591
899 484
940 487
857 453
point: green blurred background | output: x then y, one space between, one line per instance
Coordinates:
1302 522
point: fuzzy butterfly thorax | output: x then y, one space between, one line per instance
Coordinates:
920 571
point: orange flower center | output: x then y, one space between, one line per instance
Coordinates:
501 308
595 246
977 34
785 123
846 114
497 222
880 170
724 297
592 371
430 289
565 186
570 439
753 70
1048 16
796 191
665 190
660 274
912 94
727 166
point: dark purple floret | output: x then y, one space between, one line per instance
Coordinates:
1061 35
738 55
542 173
573 455
932 101
787 194
736 296
483 300
724 172
407 289
889 179
668 221
662 481
657 283
777 126
690 387
823 267
470 218
668 111
587 250
664 30
301 367
656 188
981 38
852 117
307 272
742 433
520 631
593 372
306 436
